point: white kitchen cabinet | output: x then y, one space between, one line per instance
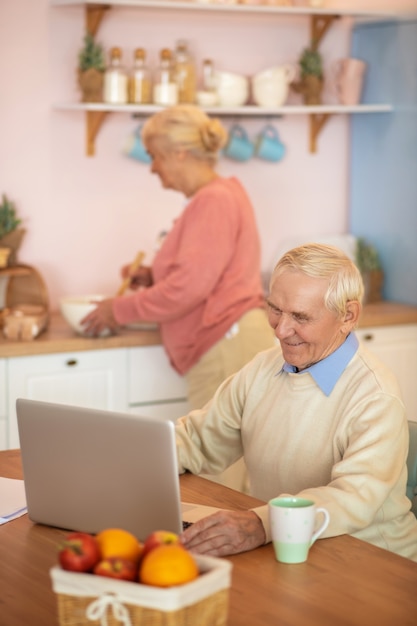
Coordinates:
94 379
321 20
396 346
154 387
3 405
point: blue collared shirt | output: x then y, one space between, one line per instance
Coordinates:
327 372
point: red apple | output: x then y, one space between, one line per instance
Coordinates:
79 552
158 538
115 567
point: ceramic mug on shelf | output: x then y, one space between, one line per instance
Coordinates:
293 523
350 74
269 147
238 147
135 149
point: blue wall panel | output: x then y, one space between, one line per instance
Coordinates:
383 176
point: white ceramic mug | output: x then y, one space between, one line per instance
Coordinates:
293 522
350 74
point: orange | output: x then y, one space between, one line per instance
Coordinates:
119 543
168 565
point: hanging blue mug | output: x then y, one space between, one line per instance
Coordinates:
269 147
135 148
238 147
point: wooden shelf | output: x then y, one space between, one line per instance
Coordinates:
192 5
321 20
15 270
318 115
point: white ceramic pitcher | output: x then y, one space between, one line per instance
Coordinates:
270 87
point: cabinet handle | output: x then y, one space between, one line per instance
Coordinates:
72 362
368 337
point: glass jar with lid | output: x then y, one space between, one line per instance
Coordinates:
140 82
115 79
185 73
165 88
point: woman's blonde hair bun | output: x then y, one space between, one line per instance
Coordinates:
188 128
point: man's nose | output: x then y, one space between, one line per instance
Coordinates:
283 326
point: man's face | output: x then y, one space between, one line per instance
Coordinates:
306 330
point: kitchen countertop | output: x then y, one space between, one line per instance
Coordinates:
59 337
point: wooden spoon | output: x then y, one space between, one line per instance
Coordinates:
136 263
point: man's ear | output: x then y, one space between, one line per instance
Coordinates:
351 317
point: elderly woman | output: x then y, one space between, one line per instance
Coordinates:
204 287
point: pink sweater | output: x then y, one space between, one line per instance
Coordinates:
206 274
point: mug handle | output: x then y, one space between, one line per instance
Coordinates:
291 72
271 131
324 525
237 129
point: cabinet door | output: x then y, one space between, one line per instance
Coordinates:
151 377
396 346
95 379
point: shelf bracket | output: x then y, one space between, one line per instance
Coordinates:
319 26
94 120
317 122
94 14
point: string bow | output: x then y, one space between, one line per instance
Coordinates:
97 610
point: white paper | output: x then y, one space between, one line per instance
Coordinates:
12 499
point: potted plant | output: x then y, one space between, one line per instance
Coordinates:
369 264
311 81
91 67
10 234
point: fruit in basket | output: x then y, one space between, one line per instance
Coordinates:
79 552
117 542
168 565
159 538
116 567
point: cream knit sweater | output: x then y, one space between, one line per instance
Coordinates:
346 451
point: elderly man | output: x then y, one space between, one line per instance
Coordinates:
320 417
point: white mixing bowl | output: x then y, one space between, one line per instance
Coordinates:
232 89
75 308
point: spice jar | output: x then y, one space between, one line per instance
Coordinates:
140 79
115 79
185 74
165 89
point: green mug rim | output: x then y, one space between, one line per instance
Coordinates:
291 502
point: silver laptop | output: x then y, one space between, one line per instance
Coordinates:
88 469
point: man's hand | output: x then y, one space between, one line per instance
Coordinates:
224 533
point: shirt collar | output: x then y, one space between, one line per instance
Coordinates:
327 372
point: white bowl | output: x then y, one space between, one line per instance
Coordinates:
207 98
267 94
232 89
75 308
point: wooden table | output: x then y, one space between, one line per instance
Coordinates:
344 582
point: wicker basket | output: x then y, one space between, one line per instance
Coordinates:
88 600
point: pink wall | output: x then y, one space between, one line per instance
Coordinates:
86 216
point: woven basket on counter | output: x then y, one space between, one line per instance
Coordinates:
88 600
